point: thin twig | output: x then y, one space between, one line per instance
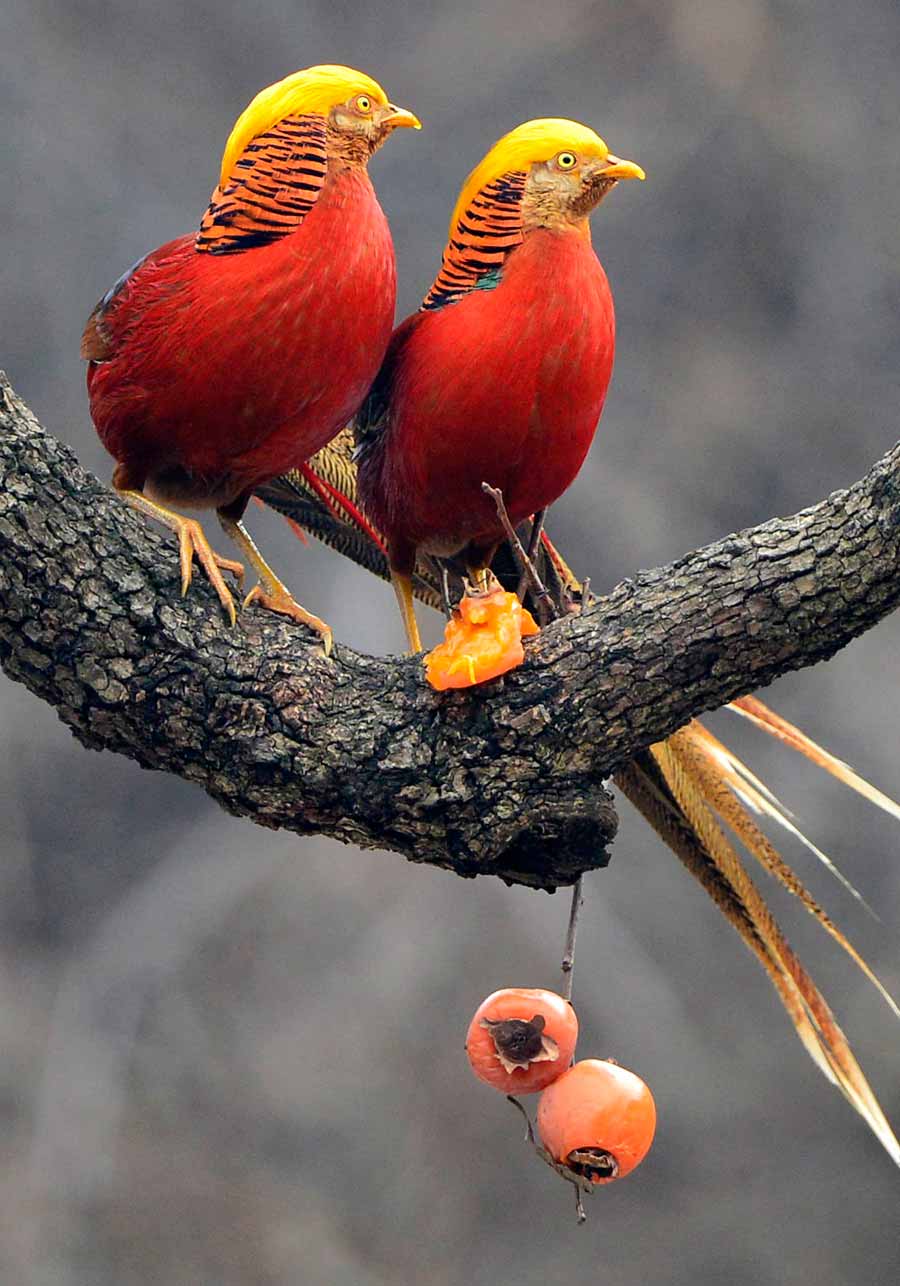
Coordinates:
526 566
445 592
578 1183
511 1098
568 960
537 526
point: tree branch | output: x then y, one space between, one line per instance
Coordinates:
503 779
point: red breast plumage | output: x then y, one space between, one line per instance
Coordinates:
246 363
506 386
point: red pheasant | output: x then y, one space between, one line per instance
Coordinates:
227 356
501 375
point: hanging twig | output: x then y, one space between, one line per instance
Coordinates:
529 1136
568 960
568 966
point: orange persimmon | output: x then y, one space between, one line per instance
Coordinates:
597 1120
520 1039
483 639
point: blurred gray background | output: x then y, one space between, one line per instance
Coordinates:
232 1057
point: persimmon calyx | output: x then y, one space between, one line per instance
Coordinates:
592 1163
519 1042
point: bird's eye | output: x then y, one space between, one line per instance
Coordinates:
363 104
567 160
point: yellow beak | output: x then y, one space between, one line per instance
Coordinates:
617 169
400 117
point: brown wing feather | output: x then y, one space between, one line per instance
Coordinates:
96 344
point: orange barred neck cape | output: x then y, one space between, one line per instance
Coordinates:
270 190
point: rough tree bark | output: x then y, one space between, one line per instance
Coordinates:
504 779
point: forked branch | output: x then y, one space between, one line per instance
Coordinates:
504 779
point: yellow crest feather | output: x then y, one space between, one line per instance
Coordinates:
534 141
313 91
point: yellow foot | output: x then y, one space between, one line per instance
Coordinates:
281 601
193 543
402 583
481 580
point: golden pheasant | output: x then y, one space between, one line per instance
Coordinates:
232 354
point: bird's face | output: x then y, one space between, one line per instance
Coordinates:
362 123
556 171
568 185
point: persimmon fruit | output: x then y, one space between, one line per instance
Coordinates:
520 1039
597 1120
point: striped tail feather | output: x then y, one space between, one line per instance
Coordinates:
701 756
686 787
753 709
660 783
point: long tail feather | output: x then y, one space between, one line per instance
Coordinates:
340 505
699 842
702 755
757 796
753 709
646 785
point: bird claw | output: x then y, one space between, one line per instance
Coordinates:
192 543
283 603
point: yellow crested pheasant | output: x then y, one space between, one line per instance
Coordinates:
213 363
698 796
